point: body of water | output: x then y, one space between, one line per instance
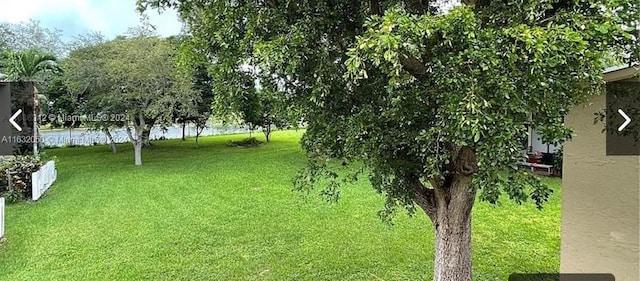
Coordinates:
83 137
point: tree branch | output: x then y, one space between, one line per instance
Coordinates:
425 198
133 140
415 67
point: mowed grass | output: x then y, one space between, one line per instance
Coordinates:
228 213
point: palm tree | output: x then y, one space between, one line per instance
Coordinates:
29 65
26 68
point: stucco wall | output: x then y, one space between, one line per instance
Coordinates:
5 108
600 202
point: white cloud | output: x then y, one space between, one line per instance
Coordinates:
110 17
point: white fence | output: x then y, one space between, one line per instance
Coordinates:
1 218
43 179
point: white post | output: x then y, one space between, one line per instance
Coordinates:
1 218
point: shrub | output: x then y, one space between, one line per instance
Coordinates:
15 177
248 142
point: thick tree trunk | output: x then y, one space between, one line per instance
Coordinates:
449 204
137 151
137 142
114 147
453 232
453 252
146 125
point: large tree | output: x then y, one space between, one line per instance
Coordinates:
259 104
31 35
88 88
129 82
431 101
198 110
263 107
194 65
144 70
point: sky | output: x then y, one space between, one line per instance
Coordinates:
75 17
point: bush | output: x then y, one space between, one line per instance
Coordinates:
15 177
248 142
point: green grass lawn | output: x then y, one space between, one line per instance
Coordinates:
225 213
